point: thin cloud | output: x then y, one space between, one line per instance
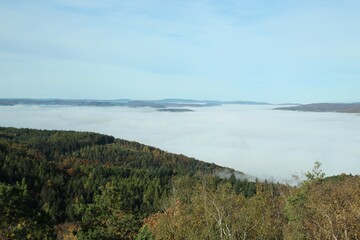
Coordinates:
277 52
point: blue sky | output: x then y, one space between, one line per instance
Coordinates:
275 51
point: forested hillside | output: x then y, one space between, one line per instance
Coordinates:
59 174
80 185
325 107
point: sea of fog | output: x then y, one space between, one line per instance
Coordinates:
256 140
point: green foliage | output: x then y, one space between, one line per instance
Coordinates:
112 187
145 234
316 173
105 218
66 168
21 216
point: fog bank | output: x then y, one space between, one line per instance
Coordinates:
253 139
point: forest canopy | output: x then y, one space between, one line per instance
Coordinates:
82 185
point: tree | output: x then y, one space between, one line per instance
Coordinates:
324 208
316 173
21 216
105 218
215 211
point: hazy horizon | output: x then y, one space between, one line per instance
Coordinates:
185 99
253 139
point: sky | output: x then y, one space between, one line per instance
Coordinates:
277 51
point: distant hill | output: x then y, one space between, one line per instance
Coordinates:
246 103
160 104
175 110
325 107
